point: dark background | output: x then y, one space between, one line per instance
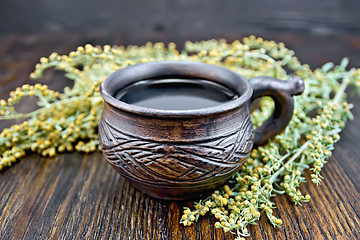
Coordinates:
180 20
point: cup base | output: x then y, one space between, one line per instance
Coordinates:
181 192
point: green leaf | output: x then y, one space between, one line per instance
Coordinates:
302 165
326 67
278 191
350 115
344 63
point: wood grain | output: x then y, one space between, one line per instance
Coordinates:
178 16
80 196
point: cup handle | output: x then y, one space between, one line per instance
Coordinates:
281 92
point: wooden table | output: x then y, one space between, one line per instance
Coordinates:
79 196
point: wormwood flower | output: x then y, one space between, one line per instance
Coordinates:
68 121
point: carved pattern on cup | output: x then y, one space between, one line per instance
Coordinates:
167 163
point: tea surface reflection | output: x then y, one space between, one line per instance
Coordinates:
176 94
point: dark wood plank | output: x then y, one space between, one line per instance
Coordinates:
179 16
79 196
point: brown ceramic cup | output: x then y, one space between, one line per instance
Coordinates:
182 154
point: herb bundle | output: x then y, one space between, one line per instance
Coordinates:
68 121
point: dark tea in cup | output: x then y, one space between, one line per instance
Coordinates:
176 94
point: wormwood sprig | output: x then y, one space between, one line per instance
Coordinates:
278 168
68 121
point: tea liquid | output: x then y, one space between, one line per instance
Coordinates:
176 94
